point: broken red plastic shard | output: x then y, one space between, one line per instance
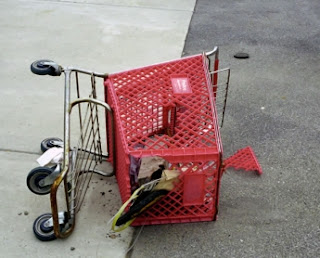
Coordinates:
243 159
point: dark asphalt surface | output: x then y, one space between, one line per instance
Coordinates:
273 106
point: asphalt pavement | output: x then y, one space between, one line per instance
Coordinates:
273 106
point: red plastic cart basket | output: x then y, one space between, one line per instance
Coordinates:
168 110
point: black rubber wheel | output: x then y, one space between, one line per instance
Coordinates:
38 67
34 177
40 230
46 144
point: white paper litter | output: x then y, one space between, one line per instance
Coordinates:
52 155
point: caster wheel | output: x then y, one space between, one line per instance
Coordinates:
48 143
46 67
41 230
35 176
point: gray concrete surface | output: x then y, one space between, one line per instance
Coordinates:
100 35
274 107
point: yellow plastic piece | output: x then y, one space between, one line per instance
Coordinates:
166 182
119 213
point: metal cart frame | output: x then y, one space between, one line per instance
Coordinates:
78 163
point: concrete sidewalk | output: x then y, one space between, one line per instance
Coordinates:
103 36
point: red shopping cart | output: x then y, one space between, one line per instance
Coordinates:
169 112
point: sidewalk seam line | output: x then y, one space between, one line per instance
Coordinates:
19 151
115 5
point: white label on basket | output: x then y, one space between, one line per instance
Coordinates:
181 85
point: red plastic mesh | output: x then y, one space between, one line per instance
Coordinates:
173 209
122 159
153 118
243 159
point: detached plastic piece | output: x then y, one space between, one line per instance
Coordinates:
243 159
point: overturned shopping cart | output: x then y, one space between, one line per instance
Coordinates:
171 111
